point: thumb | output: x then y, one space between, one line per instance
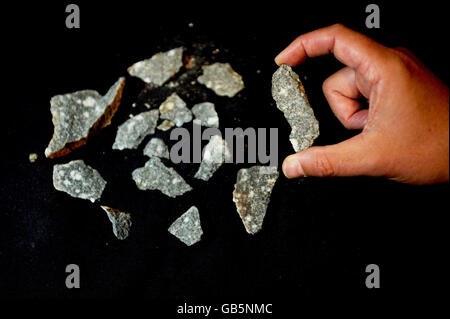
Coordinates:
353 157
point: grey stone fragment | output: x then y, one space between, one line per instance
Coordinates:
159 68
165 125
175 110
252 195
131 133
289 94
222 79
120 221
155 175
78 180
187 227
76 116
206 113
214 154
156 147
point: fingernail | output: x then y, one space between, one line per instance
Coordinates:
292 168
278 57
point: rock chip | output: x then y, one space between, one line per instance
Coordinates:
76 116
222 79
187 227
131 133
289 94
159 68
165 125
206 113
120 221
156 147
214 155
252 194
155 175
32 157
175 110
78 180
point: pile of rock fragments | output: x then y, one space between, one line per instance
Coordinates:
80 115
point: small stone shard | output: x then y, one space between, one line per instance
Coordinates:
159 68
252 195
166 125
175 110
222 79
78 180
289 94
155 175
206 113
120 221
156 147
187 227
32 157
76 116
216 152
131 133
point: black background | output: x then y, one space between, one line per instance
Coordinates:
318 235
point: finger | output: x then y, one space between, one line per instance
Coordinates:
349 47
353 157
341 92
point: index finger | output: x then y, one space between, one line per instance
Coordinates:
349 47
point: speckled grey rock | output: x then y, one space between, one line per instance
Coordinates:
206 113
291 99
155 175
121 222
187 227
159 68
222 79
156 147
76 116
214 155
131 133
175 110
78 180
252 195
165 125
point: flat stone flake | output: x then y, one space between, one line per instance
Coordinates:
156 147
131 133
289 94
121 222
155 175
252 195
76 116
187 227
159 68
206 113
175 110
165 125
222 79
78 180
214 155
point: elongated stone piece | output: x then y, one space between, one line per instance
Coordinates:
156 147
222 79
78 180
121 221
131 133
155 175
252 195
187 227
77 116
214 155
159 68
206 113
165 125
289 94
175 110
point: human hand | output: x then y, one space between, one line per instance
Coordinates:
405 130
